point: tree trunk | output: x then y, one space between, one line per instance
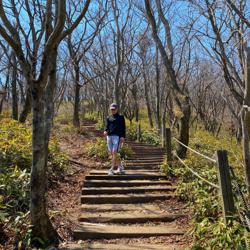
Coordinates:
148 106
116 86
42 227
184 129
239 132
158 116
76 118
245 121
27 106
14 88
1 105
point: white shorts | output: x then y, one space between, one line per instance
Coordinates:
113 142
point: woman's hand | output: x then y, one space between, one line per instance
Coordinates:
105 133
122 139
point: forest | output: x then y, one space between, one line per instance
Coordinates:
179 72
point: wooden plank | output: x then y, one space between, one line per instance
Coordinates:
152 160
128 171
126 190
120 246
125 176
104 231
120 183
127 218
123 199
138 207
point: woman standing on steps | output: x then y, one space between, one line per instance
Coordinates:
115 131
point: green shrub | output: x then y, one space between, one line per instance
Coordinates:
58 161
98 149
131 132
168 170
14 203
216 235
147 136
126 151
16 145
150 137
14 191
91 116
100 125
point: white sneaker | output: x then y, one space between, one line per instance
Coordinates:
111 172
120 170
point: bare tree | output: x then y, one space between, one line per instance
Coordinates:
42 88
181 97
226 33
77 50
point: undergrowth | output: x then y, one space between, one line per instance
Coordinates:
15 166
99 150
208 228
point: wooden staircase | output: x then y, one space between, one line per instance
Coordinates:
125 206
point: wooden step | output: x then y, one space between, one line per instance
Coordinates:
132 163
149 160
135 167
138 207
148 152
129 172
148 176
120 246
123 198
142 167
120 183
126 190
128 218
103 231
146 147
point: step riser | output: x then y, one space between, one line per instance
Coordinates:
142 171
148 154
123 177
136 167
123 184
144 160
123 200
127 220
123 208
91 235
149 160
143 163
121 191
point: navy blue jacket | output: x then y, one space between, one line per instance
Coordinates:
115 125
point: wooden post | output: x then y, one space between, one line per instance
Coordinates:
225 185
138 132
168 145
163 136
